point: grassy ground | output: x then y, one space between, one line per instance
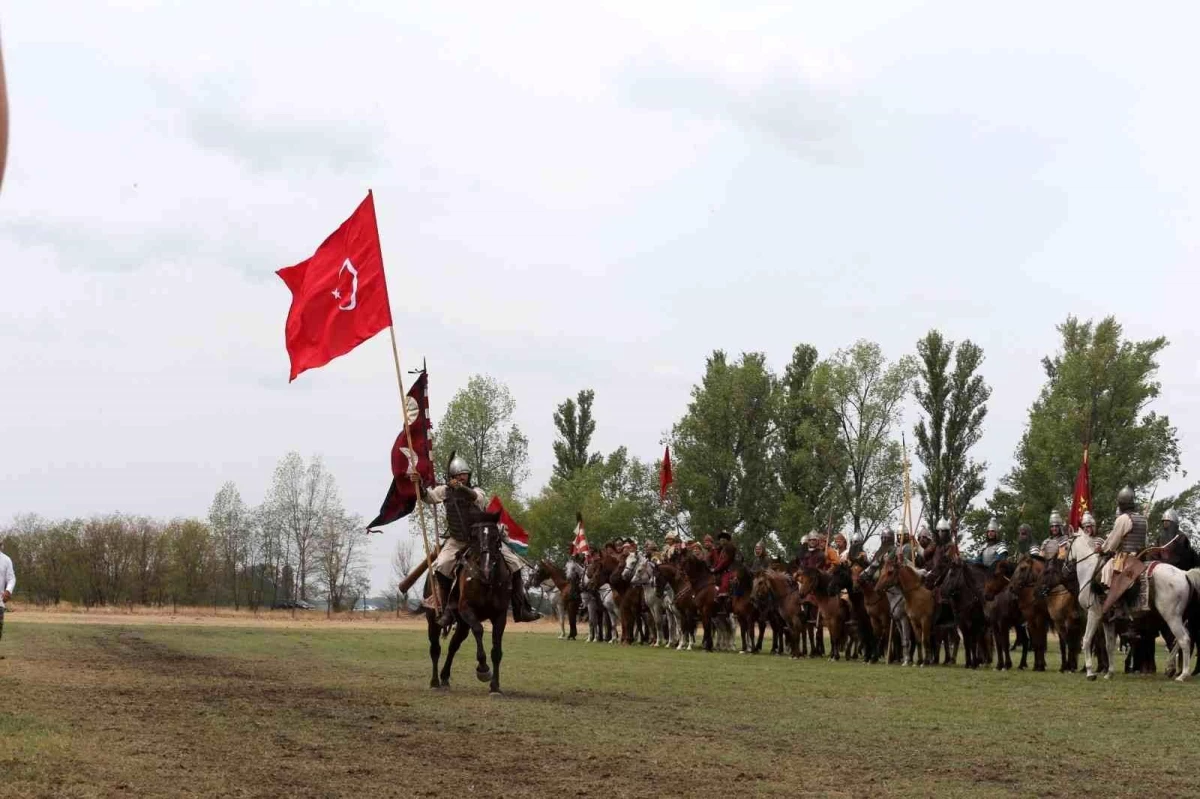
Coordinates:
143 710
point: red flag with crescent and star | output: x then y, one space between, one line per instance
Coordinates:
339 295
665 476
409 459
1082 501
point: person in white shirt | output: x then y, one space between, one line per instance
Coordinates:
8 578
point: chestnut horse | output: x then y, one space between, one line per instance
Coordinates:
1033 609
834 612
918 603
568 595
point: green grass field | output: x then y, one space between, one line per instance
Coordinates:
100 710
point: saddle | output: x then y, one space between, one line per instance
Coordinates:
1127 572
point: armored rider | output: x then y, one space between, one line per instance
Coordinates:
1128 536
1170 529
761 560
465 507
994 550
1088 524
1057 539
887 546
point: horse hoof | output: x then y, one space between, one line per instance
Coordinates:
484 676
1091 678
496 694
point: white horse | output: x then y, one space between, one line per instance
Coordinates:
900 619
1171 589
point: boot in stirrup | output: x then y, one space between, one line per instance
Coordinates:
443 589
521 609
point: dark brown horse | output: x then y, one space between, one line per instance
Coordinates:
483 593
703 594
775 587
1065 613
1033 608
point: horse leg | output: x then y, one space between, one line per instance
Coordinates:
460 635
1110 641
498 623
435 648
482 672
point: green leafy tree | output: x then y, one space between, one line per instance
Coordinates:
575 425
954 405
867 393
478 425
1098 391
812 464
617 497
725 453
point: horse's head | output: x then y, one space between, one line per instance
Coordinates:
483 551
840 579
1050 578
812 581
538 575
889 575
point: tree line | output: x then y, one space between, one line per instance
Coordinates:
298 544
823 444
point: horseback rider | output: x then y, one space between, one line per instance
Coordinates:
925 543
1088 524
671 541
1057 539
887 546
466 506
710 551
1170 529
1128 537
1025 541
943 537
994 550
723 565
761 561
635 570
842 547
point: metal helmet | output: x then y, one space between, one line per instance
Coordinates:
458 465
1024 531
1088 520
923 533
1056 520
1171 515
888 536
1126 499
856 539
943 525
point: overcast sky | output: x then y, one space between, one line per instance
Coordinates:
567 198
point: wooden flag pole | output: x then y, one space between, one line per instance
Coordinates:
416 477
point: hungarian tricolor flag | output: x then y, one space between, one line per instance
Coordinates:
409 459
665 477
518 539
580 545
339 295
1082 502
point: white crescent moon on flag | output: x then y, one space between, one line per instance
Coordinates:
411 409
411 457
347 266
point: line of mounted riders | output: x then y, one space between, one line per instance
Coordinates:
910 602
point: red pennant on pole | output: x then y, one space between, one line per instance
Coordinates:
665 477
1082 501
409 458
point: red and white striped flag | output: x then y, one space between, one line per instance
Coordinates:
580 545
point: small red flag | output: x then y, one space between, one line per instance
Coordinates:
665 477
339 295
1082 501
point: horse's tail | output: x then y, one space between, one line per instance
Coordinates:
1193 578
